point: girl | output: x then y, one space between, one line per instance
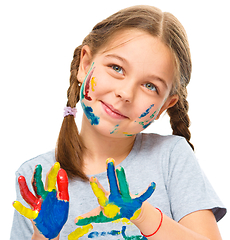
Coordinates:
132 67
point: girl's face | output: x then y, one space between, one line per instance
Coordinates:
128 84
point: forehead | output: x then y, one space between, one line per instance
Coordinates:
143 51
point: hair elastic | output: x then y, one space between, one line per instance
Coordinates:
70 111
158 226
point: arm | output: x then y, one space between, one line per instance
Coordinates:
200 225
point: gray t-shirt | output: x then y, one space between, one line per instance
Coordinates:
169 161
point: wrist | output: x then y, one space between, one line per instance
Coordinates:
41 237
150 219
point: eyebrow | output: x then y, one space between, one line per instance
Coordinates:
160 80
117 57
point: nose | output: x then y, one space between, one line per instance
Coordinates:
125 91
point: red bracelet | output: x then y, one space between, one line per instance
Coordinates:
158 226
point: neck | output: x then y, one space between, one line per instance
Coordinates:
100 147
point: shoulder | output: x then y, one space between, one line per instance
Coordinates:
46 160
165 143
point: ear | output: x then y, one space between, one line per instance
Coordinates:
85 63
170 102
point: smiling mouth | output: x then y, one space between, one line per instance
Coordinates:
111 111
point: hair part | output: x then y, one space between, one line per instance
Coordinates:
70 148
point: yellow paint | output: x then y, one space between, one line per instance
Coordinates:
99 194
80 232
111 210
26 212
110 160
123 220
93 83
52 177
136 214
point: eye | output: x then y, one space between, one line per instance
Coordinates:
117 69
150 86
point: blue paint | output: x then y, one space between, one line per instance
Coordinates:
53 215
119 197
94 120
97 234
116 233
127 205
146 112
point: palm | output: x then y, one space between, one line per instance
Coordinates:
119 204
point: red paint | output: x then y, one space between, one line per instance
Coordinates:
62 181
87 85
27 195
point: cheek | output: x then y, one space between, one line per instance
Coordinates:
148 116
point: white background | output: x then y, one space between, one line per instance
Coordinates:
36 46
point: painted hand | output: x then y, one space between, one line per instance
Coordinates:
119 204
49 207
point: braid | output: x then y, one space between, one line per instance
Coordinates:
74 88
70 149
179 118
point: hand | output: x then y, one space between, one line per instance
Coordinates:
119 204
49 207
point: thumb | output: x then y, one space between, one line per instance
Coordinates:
95 212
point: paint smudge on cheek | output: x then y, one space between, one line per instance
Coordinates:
93 83
146 112
94 120
86 84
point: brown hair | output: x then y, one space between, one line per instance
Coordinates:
69 151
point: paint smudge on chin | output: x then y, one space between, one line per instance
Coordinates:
146 112
115 129
128 134
94 120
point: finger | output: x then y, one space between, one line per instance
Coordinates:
123 184
62 182
37 183
52 177
147 194
26 212
80 232
99 193
114 190
26 193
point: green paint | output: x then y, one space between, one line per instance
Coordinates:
115 129
123 184
38 184
83 84
101 218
